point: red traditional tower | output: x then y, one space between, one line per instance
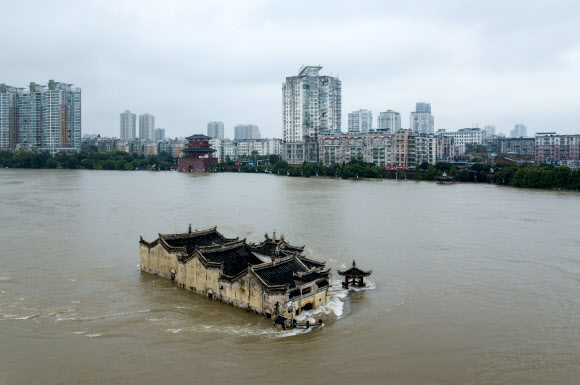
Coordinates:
197 155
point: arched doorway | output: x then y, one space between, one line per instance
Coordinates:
308 306
173 274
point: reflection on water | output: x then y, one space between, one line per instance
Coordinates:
471 284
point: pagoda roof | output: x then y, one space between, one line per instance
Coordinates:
199 149
198 137
354 271
272 247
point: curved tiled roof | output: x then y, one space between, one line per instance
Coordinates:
354 272
234 257
280 272
276 248
311 263
194 239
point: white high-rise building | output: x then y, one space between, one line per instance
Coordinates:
360 121
519 131
128 125
8 116
246 131
215 130
61 109
389 121
311 105
147 127
160 134
421 121
490 131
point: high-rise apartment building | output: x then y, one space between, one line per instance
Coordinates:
246 131
61 117
389 121
360 121
8 116
147 127
519 131
215 130
311 105
421 121
128 125
45 118
160 134
490 130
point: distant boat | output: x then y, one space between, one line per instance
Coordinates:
445 179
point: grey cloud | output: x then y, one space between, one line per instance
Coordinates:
188 63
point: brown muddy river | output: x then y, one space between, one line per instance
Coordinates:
471 284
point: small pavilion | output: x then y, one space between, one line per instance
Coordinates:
354 276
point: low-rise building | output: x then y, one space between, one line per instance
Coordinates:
518 146
445 148
464 136
425 148
552 147
378 147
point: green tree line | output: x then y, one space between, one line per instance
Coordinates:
353 169
92 160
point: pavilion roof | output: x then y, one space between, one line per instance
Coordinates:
354 272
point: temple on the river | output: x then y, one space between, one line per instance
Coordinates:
269 278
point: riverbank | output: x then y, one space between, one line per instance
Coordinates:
542 176
89 160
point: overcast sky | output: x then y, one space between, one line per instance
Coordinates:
188 63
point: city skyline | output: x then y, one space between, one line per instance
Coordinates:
458 57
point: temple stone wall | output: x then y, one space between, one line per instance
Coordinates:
158 261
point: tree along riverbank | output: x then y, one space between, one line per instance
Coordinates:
92 160
542 176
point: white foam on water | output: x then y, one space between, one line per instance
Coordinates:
93 335
19 316
370 285
5 278
58 318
